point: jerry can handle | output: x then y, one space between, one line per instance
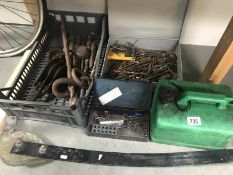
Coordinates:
220 100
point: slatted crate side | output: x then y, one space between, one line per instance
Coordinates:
26 73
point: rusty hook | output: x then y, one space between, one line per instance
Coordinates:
79 77
58 88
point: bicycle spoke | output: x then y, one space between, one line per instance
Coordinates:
11 36
16 14
17 2
19 10
2 48
6 39
15 24
20 26
15 32
22 29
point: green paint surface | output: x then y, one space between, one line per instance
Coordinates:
211 104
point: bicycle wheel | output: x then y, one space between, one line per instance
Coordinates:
20 25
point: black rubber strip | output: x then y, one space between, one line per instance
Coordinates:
123 159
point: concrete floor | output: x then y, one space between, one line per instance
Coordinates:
77 138
7 68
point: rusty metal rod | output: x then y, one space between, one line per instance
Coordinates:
93 53
73 95
66 47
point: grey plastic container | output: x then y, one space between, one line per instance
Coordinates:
149 24
15 100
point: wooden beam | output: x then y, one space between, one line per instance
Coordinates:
221 61
31 7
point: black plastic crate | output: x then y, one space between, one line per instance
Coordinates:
16 100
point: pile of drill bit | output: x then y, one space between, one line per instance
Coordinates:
147 66
133 122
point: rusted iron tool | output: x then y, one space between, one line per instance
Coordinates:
71 47
93 53
76 60
75 77
72 88
54 69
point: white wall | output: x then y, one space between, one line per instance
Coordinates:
206 21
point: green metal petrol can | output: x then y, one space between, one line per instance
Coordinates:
192 114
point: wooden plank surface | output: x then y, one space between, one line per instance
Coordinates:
221 60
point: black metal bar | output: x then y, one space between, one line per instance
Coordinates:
122 159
